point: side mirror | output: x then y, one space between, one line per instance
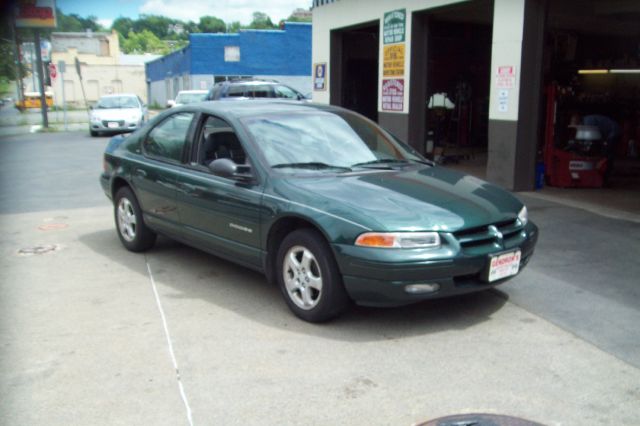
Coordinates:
226 168
171 103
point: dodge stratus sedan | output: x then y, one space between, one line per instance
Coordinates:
324 202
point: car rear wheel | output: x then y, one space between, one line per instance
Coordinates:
133 232
309 277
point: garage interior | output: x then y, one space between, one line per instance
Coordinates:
592 69
590 66
354 70
454 101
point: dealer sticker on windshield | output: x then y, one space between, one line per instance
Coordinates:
504 265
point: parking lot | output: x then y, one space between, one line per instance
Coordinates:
93 334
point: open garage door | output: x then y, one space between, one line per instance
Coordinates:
354 71
592 92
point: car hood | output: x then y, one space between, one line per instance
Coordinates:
414 198
116 113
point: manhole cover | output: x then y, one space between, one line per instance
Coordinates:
52 226
42 249
480 420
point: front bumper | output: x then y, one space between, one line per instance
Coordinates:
115 126
372 280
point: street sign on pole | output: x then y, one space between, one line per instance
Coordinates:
53 72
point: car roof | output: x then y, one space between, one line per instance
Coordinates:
120 95
261 107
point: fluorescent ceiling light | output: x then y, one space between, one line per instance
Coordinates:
625 71
593 71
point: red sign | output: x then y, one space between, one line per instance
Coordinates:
393 94
53 71
506 77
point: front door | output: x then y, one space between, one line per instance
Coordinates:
219 214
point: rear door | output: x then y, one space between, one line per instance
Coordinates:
154 179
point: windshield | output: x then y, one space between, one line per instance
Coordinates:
118 102
325 140
188 98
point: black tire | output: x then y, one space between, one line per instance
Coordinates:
294 278
134 234
93 133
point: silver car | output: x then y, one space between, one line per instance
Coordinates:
117 114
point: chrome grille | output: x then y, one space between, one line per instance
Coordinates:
500 232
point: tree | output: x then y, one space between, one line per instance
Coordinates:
234 27
211 24
261 21
144 42
122 25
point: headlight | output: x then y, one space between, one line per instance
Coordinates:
135 117
523 216
399 239
94 117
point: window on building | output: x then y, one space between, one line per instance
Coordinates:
232 53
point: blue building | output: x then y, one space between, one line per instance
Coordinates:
282 55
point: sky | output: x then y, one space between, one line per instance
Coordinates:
186 10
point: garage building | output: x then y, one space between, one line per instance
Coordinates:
512 79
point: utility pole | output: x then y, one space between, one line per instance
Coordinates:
18 63
43 97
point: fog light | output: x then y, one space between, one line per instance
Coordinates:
422 288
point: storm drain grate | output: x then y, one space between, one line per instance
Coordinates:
41 249
480 420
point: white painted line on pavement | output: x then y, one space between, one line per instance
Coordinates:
170 344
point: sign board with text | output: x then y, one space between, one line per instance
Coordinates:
393 61
35 13
506 77
393 94
320 76
394 26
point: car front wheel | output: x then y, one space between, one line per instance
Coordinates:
133 232
309 277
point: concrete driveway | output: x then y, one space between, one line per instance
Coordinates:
93 334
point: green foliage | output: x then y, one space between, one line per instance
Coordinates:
76 23
261 21
123 26
144 42
211 24
234 27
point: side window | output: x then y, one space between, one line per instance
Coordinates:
285 92
261 91
236 90
218 140
167 139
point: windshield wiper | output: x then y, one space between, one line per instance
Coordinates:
310 165
380 161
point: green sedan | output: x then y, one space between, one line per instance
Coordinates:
325 203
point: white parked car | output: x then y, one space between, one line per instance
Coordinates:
117 114
188 97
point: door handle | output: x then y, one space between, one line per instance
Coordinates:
141 173
190 189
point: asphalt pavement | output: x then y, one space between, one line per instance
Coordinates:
93 334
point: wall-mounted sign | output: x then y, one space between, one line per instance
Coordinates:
394 26
320 76
393 94
393 62
506 77
35 14
503 100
